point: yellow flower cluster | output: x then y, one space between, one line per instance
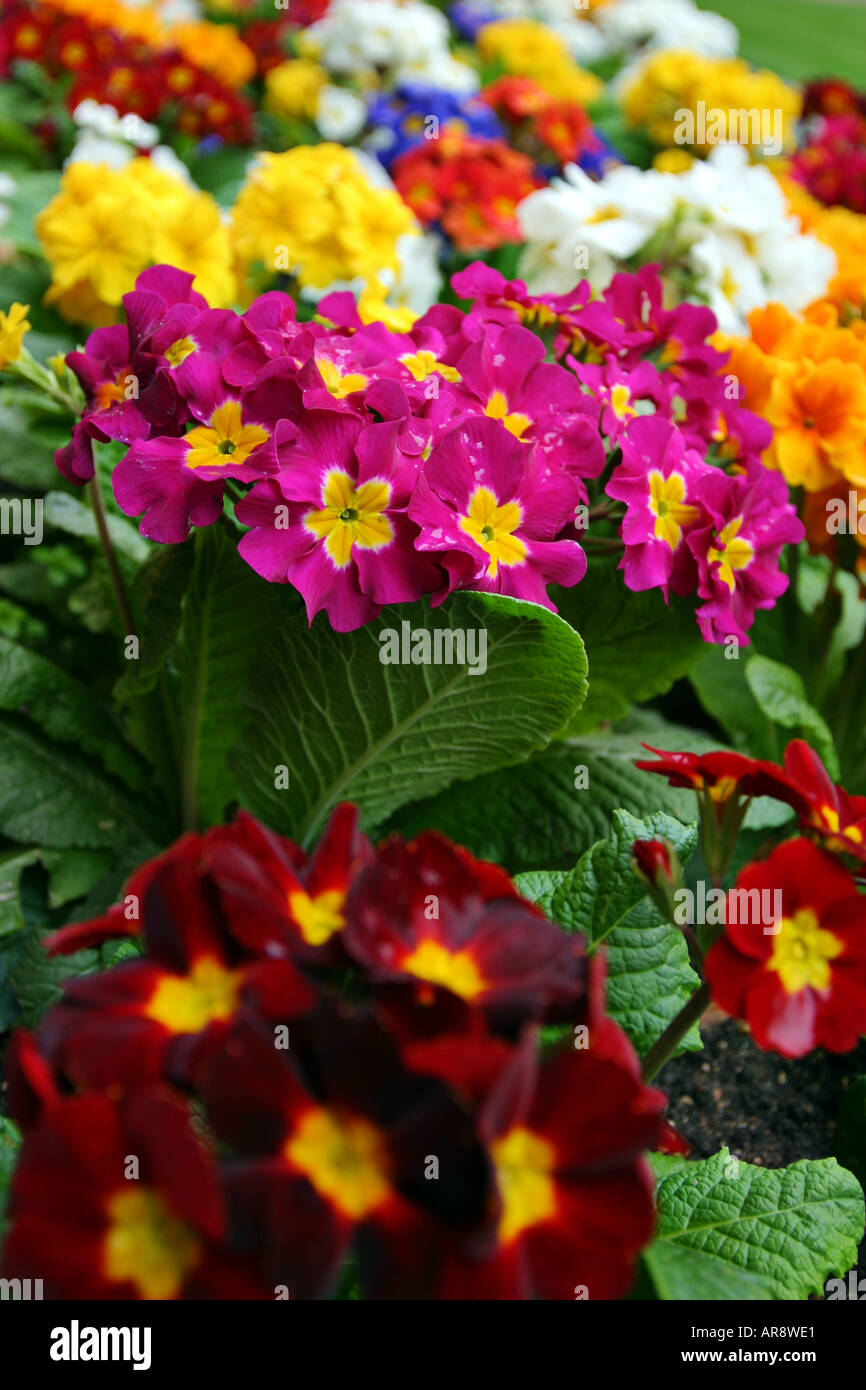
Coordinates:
105 225
525 48
734 99
312 212
292 88
13 326
216 48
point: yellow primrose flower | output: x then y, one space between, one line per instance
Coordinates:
526 48
312 212
292 89
105 226
724 98
224 439
13 326
95 232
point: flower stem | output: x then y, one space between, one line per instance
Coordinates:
118 585
665 1046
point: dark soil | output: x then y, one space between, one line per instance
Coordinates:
766 1109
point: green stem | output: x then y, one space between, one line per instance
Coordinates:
665 1046
118 585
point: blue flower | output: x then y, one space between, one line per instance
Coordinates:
415 112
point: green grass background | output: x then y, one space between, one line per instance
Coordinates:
800 39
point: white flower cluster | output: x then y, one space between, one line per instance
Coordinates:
728 226
408 41
105 137
623 25
657 24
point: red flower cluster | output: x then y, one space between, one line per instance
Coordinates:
827 812
539 124
798 977
792 957
469 187
832 165
832 97
418 1127
124 72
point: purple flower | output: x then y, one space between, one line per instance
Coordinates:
748 519
491 512
658 480
333 521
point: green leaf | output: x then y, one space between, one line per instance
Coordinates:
12 865
37 979
147 691
649 977
76 518
65 710
156 596
781 695
792 1227
350 727
10 1143
600 892
33 192
553 807
636 646
680 1273
227 618
73 873
27 447
724 692
53 796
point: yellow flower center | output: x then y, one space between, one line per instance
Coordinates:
722 790
317 918
732 551
424 363
107 392
224 437
337 384
514 422
188 1003
344 1159
667 503
179 350
491 526
456 970
607 214
620 399
524 1164
148 1244
351 516
802 952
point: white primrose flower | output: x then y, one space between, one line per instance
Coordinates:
732 193
798 268
356 35
660 24
340 114
729 278
578 228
